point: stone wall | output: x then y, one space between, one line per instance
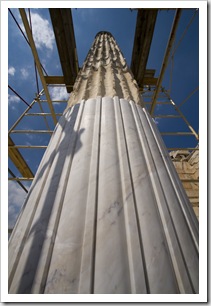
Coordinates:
187 166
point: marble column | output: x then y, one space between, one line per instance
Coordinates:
106 212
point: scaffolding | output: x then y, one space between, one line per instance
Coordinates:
156 98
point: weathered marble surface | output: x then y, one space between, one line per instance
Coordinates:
106 212
105 73
187 167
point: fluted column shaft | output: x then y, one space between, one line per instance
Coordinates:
104 73
106 212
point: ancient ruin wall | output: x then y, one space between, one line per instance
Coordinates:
187 166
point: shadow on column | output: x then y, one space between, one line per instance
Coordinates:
39 229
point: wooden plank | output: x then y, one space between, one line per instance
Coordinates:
65 39
53 79
18 160
149 81
145 25
149 73
37 61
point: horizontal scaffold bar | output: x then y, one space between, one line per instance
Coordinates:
42 114
164 103
189 180
32 131
166 116
20 178
177 134
54 101
27 147
179 148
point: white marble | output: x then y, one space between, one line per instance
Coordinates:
106 212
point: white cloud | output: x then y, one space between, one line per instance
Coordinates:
11 71
59 93
16 198
30 136
42 33
13 99
24 73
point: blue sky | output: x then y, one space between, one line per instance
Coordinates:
87 22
